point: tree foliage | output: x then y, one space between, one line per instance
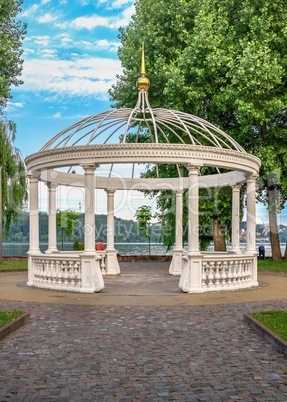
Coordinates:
13 175
225 61
11 37
144 217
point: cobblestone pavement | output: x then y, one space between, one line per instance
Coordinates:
135 353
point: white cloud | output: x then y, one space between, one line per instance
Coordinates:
105 44
47 18
93 21
42 40
30 11
12 106
49 53
115 3
89 76
57 115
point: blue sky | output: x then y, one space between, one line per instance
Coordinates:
70 62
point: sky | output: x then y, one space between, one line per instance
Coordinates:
70 63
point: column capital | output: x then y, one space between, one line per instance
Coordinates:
236 186
90 167
252 177
33 177
110 192
191 167
51 185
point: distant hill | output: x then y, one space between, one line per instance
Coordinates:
125 230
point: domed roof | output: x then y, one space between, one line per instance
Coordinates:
142 124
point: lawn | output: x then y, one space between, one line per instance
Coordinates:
276 321
6 317
270 265
10 266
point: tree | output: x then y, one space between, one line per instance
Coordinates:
65 220
13 175
13 181
224 61
144 217
12 33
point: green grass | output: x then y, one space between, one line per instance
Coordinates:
10 266
276 321
6 316
270 265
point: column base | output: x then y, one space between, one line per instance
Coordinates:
112 265
176 264
92 279
191 277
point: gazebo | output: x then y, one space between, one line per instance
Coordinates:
114 139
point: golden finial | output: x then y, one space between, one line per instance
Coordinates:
143 82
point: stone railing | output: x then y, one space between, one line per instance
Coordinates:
230 271
61 271
102 261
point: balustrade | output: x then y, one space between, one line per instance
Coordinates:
57 273
228 272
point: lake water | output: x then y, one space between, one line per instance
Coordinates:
20 249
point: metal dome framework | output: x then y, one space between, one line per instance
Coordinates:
142 136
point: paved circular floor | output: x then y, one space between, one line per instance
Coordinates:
131 347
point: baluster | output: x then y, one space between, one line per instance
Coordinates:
239 273
210 278
54 273
49 272
217 274
103 264
204 276
66 274
234 273
72 273
60 273
248 269
229 273
223 273
44 272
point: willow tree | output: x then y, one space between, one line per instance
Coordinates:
224 61
12 33
13 175
14 188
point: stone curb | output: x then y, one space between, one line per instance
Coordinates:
271 337
13 325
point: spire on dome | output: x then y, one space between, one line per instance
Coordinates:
143 82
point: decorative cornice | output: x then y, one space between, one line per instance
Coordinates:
143 153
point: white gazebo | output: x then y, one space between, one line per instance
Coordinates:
113 139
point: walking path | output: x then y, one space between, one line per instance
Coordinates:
140 340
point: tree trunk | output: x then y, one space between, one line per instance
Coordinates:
285 254
274 237
218 236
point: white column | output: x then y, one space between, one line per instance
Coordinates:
89 228
34 215
33 226
112 266
251 215
175 267
92 279
52 227
191 277
235 230
193 212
